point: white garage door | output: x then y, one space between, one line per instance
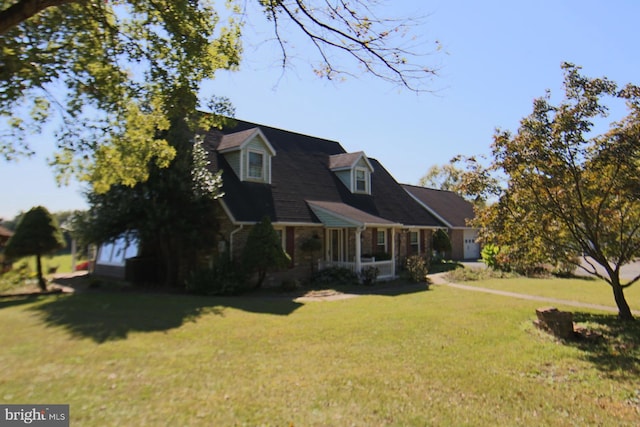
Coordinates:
471 247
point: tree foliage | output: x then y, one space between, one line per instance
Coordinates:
37 234
172 213
442 177
441 242
113 71
263 251
570 192
117 72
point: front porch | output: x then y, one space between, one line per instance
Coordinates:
386 269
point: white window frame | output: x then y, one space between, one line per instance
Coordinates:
262 168
366 180
382 246
417 242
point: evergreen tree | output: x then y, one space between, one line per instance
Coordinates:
37 234
263 251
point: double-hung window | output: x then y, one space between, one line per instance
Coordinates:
256 165
382 241
362 181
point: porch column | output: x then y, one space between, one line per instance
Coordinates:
393 252
358 261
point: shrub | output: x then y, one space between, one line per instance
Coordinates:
224 278
489 255
417 268
566 267
263 251
472 274
369 275
334 276
16 278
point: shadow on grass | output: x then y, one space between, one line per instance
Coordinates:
112 316
609 343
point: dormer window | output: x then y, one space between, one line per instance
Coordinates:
255 168
354 170
249 154
362 180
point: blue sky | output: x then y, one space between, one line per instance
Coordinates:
497 57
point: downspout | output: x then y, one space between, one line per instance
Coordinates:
233 232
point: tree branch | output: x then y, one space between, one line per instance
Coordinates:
23 10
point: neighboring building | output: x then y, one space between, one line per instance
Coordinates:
111 257
455 212
311 187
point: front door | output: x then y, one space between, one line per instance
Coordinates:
335 247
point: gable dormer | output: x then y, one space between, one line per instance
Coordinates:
249 153
354 170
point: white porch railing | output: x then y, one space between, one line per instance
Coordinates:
385 268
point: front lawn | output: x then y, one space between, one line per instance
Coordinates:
439 357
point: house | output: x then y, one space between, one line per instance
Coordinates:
454 212
312 188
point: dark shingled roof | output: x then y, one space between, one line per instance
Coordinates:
300 173
446 204
344 161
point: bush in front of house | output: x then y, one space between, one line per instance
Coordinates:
334 276
369 276
223 278
417 267
263 251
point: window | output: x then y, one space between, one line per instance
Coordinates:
256 165
414 242
362 182
382 241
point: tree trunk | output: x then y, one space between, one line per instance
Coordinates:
41 282
624 311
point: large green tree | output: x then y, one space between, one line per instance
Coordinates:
263 251
172 212
569 191
118 71
37 234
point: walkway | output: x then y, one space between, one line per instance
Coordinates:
439 279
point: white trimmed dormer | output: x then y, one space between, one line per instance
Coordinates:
249 153
354 170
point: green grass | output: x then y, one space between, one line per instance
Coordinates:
440 357
62 263
24 279
585 290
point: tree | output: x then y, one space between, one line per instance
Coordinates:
441 242
445 177
117 72
172 212
263 251
37 234
569 192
